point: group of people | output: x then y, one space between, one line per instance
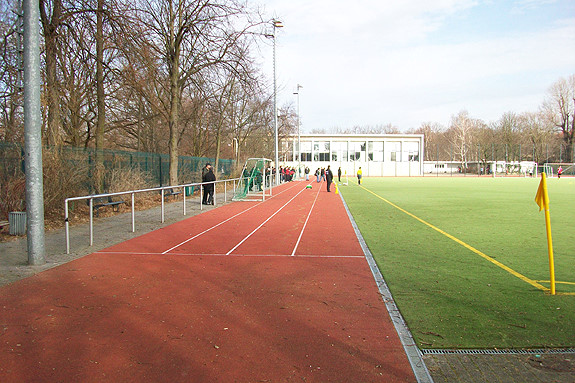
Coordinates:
324 174
286 175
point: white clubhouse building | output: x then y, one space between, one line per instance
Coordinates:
377 154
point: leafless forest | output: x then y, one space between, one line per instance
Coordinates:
184 77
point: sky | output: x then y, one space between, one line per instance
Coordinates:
406 62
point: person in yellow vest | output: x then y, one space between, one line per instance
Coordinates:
359 174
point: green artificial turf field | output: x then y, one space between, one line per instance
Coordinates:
449 294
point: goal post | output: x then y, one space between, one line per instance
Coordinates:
255 181
567 168
548 170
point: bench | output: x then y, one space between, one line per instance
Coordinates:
170 193
105 201
4 223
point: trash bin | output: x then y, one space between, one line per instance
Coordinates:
17 220
189 190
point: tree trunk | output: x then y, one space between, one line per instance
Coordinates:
101 121
218 146
54 119
50 29
173 59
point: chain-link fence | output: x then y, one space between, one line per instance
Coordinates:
498 158
155 165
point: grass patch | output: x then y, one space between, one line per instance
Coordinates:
450 296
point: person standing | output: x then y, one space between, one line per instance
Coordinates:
328 177
559 171
359 175
209 177
339 174
317 174
306 171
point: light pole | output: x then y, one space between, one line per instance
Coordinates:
276 24
298 131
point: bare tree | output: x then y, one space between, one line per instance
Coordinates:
189 36
53 14
460 134
537 132
560 107
432 138
11 119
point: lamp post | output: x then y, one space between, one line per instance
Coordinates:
298 130
276 24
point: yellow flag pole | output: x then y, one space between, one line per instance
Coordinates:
549 239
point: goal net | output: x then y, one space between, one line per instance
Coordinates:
548 170
255 181
552 168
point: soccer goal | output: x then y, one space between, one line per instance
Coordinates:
548 170
255 181
567 168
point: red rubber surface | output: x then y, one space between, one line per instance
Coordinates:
131 313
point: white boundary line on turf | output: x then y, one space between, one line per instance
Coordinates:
307 219
221 223
264 222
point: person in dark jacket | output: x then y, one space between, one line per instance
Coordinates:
328 177
209 176
339 174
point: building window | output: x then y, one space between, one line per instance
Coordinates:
357 151
322 151
370 150
394 148
378 151
411 151
338 151
306 151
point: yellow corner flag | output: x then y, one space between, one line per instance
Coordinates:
542 199
540 196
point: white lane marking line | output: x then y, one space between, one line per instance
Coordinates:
305 223
359 256
264 222
221 223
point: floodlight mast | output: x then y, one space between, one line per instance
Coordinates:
276 24
298 130
33 135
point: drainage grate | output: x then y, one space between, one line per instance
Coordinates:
497 351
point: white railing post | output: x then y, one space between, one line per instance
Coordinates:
162 205
133 215
67 226
184 193
91 221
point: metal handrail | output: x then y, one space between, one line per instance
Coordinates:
162 190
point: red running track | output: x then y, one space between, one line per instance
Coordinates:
277 291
